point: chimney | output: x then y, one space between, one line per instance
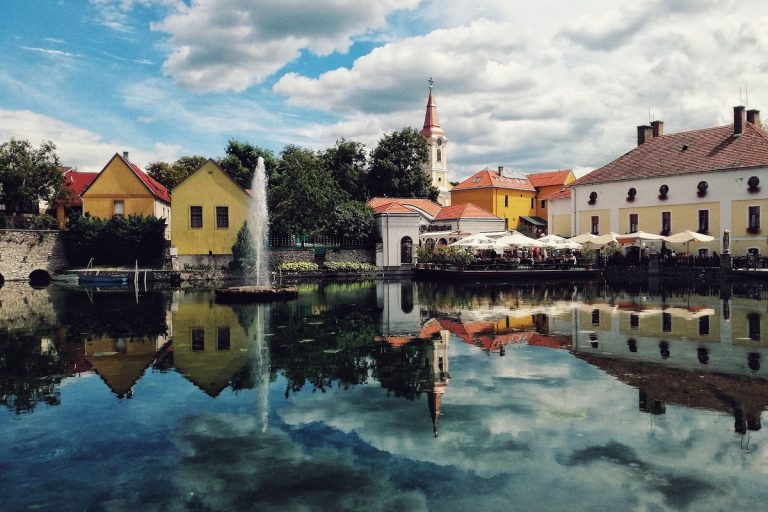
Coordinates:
501 170
644 134
658 128
753 117
738 120
125 155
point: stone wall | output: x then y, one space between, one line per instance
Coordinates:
355 255
22 251
279 256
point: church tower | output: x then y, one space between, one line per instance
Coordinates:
436 383
437 164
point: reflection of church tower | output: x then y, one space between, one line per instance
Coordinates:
437 382
437 164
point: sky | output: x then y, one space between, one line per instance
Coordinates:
532 86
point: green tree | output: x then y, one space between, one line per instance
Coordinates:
28 175
351 219
241 159
396 166
243 253
171 175
304 197
347 163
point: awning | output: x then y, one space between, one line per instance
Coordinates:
443 234
536 221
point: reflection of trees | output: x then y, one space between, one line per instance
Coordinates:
116 315
28 376
403 370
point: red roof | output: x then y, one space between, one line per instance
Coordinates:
75 183
547 179
431 122
157 189
491 179
392 208
563 193
707 150
464 211
429 207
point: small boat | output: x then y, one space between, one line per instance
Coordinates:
103 279
64 278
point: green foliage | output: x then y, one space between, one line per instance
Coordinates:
347 163
28 175
299 266
117 241
302 201
396 166
444 254
171 175
243 252
241 159
351 219
43 221
350 266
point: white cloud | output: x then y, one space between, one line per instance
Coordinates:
47 51
116 14
221 45
76 147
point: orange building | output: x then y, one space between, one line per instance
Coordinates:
547 184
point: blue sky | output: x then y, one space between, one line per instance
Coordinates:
531 86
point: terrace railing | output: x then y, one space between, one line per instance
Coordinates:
318 241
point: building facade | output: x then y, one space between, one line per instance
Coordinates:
547 184
122 188
208 210
711 181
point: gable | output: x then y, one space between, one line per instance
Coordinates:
210 180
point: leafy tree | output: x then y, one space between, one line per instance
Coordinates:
347 162
304 197
119 240
28 175
171 175
396 166
352 219
243 253
241 159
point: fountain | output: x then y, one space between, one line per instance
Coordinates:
258 225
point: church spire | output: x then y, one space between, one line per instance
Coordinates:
431 122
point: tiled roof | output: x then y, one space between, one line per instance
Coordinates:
429 207
76 182
157 189
563 193
546 179
710 149
464 211
491 179
392 208
431 122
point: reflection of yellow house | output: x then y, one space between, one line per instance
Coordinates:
122 188
509 196
120 362
209 344
209 209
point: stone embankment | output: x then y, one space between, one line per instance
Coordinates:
24 251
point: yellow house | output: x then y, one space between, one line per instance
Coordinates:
122 188
209 208
511 197
210 345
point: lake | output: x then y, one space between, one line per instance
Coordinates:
386 395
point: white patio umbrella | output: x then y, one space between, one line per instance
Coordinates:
479 242
639 236
558 242
583 238
688 236
606 239
520 240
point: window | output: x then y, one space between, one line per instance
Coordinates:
406 250
754 218
533 203
704 221
666 322
506 201
666 222
633 223
222 338
704 326
198 339
595 225
753 319
439 155
119 208
595 317
222 216
476 180
703 253
543 204
195 216
634 321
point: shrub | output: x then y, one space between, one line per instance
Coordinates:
117 241
350 266
299 266
243 253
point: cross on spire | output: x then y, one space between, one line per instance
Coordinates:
431 82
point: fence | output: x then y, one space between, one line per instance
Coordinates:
750 262
318 241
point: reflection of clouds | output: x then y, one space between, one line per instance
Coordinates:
229 464
544 425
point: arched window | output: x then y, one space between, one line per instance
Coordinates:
406 250
439 155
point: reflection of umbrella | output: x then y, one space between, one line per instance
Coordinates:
520 240
689 236
558 242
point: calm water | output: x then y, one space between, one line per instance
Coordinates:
385 396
